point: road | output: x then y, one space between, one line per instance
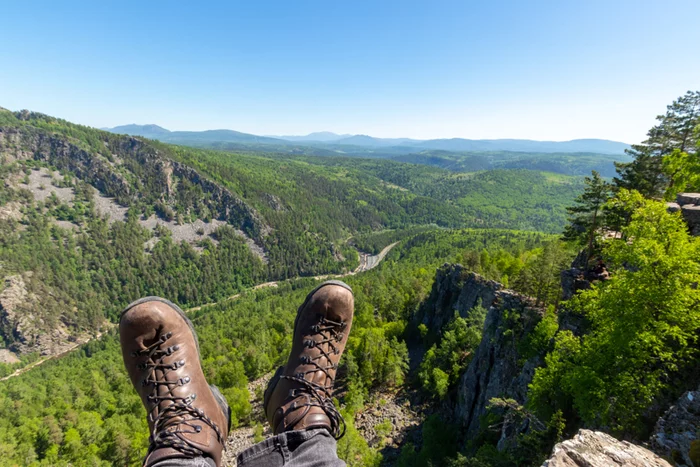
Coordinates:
367 262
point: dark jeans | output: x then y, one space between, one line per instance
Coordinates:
311 448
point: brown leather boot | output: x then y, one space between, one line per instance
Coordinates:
298 396
186 416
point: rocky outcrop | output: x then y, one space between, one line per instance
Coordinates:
497 369
678 430
7 356
690 209
33 143
22 324
225 204
455 290
596 449
128 170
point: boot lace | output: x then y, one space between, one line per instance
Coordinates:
318 395
165 433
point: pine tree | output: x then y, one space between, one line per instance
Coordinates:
675 131
586 216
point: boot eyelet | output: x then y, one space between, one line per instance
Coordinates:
340 337
176 347
134 354
309 343
198 428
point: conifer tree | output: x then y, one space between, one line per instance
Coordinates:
586 216
675 131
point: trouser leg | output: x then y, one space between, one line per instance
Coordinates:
195 462
310 448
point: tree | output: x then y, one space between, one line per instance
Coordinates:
683 172
644 327
675 131
585 217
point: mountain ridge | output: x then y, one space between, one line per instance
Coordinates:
333 141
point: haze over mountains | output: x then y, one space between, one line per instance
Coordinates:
343 143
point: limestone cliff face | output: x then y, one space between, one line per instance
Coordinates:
596 449
497 368
676 433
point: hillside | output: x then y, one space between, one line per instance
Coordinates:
599 146
92 220
577 157
462 352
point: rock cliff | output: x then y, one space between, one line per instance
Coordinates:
596 449
497 368
677 432
129 170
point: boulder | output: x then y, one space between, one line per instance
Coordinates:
673 207
596 449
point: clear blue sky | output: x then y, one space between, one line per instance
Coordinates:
552 70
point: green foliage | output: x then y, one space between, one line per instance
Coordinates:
540 277
644 326
445 361
354 449
683 172
585 217
440 439
676 131
239 340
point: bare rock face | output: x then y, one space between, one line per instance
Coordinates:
455 289
29 332
690 209
7 356
596 449
147 163
678 429
497 369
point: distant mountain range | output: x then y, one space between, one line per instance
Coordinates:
362 143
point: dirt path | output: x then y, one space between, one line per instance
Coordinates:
367 262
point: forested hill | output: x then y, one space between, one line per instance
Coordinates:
91 220
577 157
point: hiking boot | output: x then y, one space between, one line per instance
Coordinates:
187 417
298 396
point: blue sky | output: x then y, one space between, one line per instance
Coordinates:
553 70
